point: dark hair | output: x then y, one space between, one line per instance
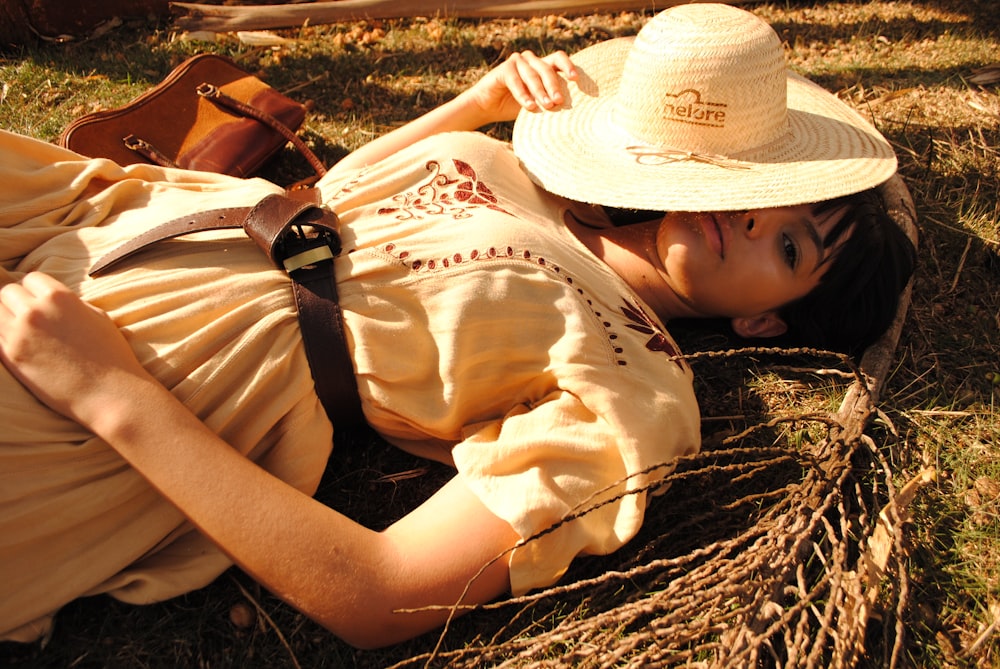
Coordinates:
858 295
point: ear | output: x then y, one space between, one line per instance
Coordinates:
768 324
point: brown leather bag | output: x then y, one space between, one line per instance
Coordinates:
208 114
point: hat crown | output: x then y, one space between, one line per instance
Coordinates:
704 78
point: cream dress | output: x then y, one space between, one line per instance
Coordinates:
483 334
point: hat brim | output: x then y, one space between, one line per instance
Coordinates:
577 152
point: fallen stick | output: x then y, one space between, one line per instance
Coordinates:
228 18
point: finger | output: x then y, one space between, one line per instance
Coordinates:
561 61
515 83
15 299
5 313
536 75
545 78
42 286
39 283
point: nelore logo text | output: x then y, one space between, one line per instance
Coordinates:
688 107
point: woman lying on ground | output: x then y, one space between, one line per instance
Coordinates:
160 420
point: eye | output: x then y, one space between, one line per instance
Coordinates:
790 250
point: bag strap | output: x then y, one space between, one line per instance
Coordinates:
303 239
214 94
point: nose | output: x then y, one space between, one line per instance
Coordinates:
750 223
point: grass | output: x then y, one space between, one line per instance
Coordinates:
906 64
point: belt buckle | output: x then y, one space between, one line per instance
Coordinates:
304 249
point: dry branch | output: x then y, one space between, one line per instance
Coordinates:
879 356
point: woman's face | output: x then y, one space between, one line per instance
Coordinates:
743 264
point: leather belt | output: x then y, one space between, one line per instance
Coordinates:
302 238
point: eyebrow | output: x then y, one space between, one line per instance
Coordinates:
812 231
813 234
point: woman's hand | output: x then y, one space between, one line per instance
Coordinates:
523 81
69 354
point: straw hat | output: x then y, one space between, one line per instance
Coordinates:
699 112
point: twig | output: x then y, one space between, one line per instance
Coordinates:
263 614
306 83
961 264
982 638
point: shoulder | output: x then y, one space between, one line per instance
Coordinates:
464 141
467 145
448 152
482 153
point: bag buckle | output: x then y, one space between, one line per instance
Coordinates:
207 90
147 151
136 143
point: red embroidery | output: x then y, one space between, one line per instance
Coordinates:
443 195
474 191
644 324
637 318
457 195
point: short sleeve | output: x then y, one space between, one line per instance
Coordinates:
543 462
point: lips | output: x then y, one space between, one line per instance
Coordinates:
713 234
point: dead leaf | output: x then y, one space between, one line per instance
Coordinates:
199 36
262 38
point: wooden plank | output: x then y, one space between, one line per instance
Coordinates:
228 18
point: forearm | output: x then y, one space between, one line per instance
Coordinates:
344 576
308 554
523 81
459 113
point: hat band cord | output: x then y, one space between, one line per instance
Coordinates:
654 155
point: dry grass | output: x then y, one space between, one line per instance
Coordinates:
906 64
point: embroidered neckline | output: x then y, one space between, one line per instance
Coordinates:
636 318
457 196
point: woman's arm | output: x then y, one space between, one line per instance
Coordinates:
522 81
346 577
